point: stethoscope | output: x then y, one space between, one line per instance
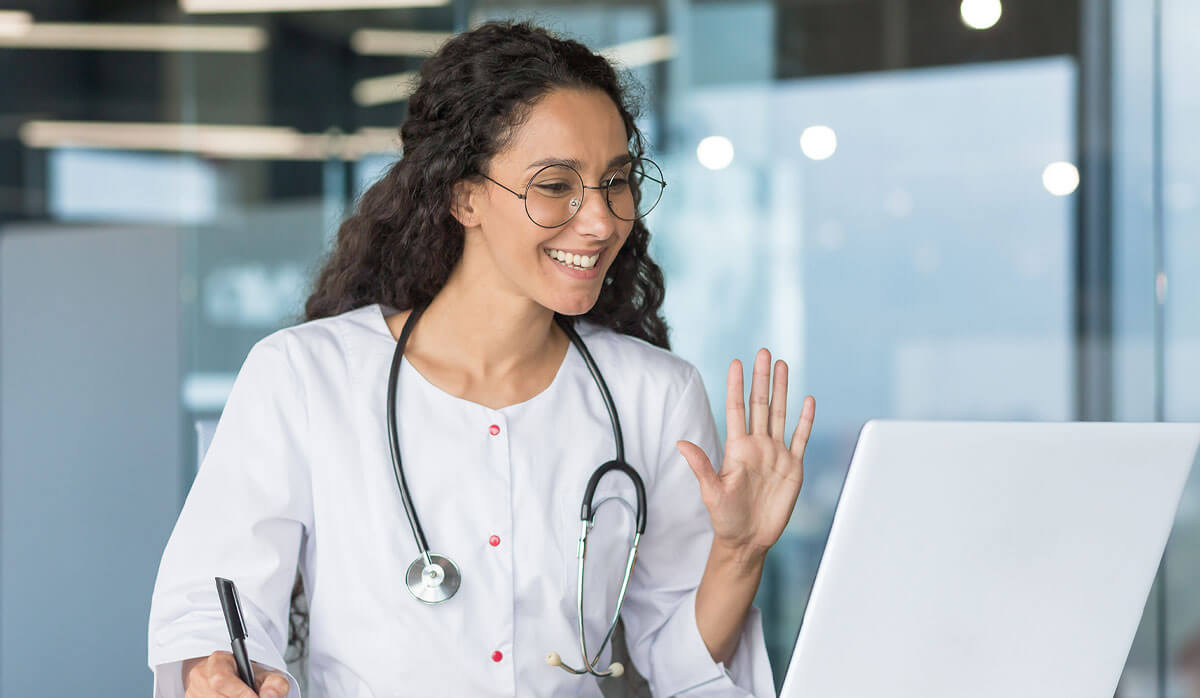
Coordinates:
433 578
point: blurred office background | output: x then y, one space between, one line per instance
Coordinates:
986 209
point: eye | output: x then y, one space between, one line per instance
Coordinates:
553 188
618 183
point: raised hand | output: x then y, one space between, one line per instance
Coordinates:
751 499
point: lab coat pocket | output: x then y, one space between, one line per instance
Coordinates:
614 514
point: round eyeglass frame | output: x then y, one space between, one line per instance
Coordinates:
605 186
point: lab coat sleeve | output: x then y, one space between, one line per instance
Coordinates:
660 609
243 519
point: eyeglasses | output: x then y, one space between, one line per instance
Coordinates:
555 193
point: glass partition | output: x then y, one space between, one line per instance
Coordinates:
887 197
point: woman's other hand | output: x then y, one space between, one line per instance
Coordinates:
216 676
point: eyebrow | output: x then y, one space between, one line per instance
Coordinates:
574 162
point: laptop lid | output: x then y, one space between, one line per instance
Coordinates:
990 558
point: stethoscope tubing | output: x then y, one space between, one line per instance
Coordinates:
394 437
587 511
566 326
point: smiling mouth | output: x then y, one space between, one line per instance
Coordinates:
572 261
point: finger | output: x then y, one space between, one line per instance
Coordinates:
229 685
779 402
735 401
804 427
224 677
192 668
701 466
760 400
275 685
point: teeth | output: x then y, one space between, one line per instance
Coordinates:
574 260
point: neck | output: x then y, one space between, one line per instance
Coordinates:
487 333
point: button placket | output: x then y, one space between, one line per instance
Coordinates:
500 467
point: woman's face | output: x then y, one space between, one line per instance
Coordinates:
581 128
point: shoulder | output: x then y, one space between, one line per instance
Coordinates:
660 396
651 371
318 345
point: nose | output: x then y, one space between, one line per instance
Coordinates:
594 218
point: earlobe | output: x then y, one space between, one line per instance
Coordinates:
461 205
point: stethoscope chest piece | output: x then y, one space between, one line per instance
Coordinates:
432 582
432 579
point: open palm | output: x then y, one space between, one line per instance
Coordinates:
751 499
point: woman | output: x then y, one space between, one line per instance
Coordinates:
519 198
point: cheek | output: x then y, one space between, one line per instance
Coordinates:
511 236
624 234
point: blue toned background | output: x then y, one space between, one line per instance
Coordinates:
925 219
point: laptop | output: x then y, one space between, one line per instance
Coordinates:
990 559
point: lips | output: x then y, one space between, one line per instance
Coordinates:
577 272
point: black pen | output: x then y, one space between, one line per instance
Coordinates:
232 609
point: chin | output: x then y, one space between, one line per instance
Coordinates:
572 306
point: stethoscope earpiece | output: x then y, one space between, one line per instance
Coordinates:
616 669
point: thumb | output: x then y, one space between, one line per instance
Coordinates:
271 683
702 467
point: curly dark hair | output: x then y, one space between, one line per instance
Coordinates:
401 242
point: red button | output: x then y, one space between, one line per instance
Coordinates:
494 540
496 656
494 429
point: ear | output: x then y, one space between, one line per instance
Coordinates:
462 203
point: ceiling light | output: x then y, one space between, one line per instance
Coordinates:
818 142
14 23
377 42
385 89
217 141
715 152
208 6
1060 178
980 14
137 37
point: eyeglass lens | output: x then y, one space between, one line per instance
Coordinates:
555 193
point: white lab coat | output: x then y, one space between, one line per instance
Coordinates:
299 472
